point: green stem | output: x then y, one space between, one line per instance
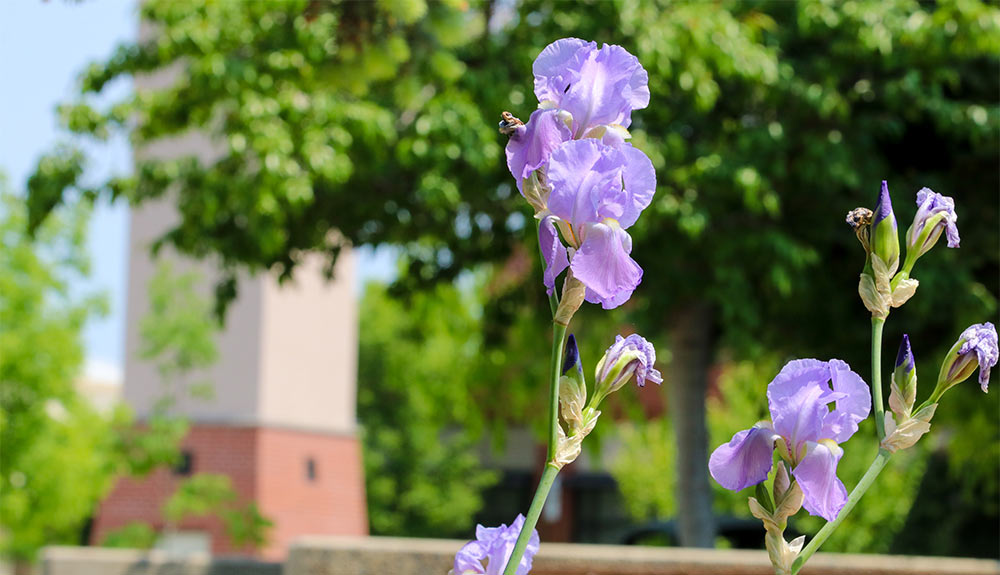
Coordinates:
537 503
876 467
555 370
878 409
551 470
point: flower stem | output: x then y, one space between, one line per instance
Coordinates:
859 490
877 406
555 370
551 470
537 503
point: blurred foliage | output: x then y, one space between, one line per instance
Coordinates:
210 494
177 334
135 535
416 372
433 377
57 457
768 122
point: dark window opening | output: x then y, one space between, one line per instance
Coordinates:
311 469
186 463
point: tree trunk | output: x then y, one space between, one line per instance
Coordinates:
687 380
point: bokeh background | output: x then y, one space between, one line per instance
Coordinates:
370 127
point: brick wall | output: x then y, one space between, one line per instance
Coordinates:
266 465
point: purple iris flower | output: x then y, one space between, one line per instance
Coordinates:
591 185
597 192
935 210
584 92
807 431
598 87
495 545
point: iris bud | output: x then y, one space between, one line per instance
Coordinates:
628 356
572 386
904 380
884 234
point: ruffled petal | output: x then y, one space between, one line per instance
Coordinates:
824 494
604 266
581 173
501 541
469 559
797 398
640 184
529 148
745 460
558 66
553 251
611 84
853 405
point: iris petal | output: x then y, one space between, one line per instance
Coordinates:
745 460
553 251
852 407
603 265
529 148
824 493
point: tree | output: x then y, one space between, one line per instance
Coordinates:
417 371
768 122
57 458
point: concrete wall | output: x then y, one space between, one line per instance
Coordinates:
98 561
387 555
380 555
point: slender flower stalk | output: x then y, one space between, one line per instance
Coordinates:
859 490
878 406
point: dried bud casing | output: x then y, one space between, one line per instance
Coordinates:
573 295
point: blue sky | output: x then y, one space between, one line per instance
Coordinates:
43 47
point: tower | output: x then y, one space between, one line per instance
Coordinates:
282 423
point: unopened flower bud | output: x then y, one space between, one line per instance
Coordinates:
904 380
935 214
884 234
975 348
628 356
572 386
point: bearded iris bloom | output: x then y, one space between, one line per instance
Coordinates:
494 545
804 430
597 192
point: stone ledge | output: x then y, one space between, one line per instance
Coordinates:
381 555
60 560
